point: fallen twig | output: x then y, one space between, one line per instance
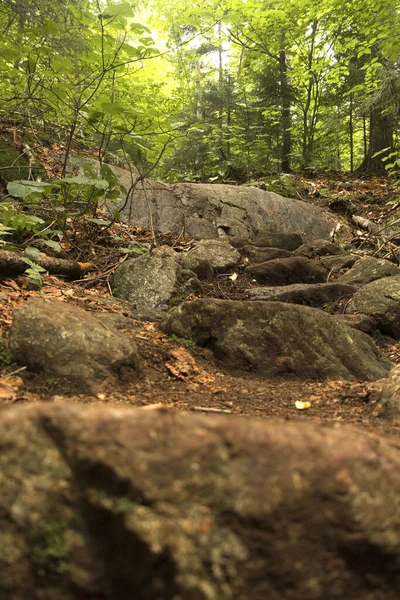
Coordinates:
13 373
156 406
209 409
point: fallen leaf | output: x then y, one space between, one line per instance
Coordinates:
87 266
233 277
302 405
182 365
8 392
14 285
48 289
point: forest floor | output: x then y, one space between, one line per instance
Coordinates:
188 378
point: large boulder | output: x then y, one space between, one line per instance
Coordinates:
380 300
108 504
73 349
390 398
285 271
273 338
154 280
368 269
209 211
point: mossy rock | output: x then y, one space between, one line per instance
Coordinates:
14 165
17 165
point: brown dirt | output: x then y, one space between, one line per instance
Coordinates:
188 378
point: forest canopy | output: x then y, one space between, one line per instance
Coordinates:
207 90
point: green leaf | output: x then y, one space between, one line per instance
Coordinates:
32 251
139 249
10 54
98 221
112 108
34 266
109 175
22 188
81 180
53 245
139 28
124 9
130 50
146 41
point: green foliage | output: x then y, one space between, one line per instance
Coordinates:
12 218
290 83
136 248
391 161
222 91
175 300
60 199
34 273
285 184
189 344
5 353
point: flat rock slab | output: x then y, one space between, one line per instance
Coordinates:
338 262
255 254
110 504
362 322
273 338
312 294
319 248
154 280
284 241
72 348
368 269
380 300
209 211
285 271
218 253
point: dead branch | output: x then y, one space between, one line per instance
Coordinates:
13 263
365 224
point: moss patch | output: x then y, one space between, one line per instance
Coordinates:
49 546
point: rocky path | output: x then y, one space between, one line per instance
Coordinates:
189 497
182 375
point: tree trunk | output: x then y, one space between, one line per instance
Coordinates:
285 116
309 127
380 141
351 133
